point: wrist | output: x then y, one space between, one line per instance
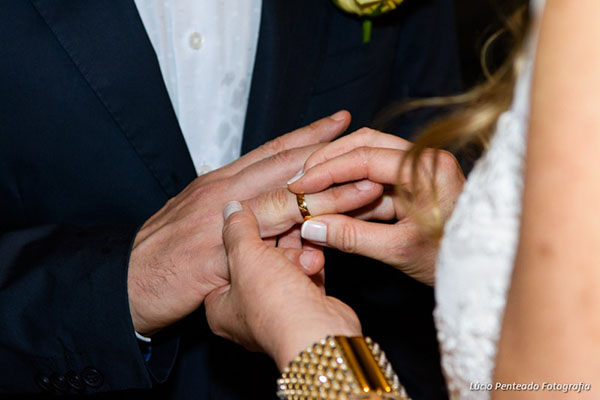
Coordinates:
293 341
141 324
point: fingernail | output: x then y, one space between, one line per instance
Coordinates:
364 185
339 116
314 231
307 259
230 208
298 175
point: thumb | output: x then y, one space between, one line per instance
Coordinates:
240 230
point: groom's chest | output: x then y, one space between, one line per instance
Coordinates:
87 119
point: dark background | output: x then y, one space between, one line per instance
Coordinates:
476 21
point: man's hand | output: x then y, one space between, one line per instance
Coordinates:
372 155
270 304
178 255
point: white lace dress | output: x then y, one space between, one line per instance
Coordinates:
477 253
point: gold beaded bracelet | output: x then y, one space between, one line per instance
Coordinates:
341 368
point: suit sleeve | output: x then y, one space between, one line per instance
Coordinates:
65 325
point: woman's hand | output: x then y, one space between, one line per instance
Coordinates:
372 155
271 304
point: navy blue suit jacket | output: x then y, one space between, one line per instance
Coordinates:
90 147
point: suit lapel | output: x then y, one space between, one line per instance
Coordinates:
290 49
108 43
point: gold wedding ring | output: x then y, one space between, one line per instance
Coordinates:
303 207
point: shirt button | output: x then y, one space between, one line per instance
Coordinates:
196 41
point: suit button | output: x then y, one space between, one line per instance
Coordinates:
74 381
92 377
43 382
59 383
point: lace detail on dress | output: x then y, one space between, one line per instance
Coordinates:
476 260
477 253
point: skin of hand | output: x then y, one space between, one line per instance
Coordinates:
551 327
376 156
270 305
178 255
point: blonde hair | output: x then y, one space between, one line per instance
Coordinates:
471 123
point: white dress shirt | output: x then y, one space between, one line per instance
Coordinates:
206 51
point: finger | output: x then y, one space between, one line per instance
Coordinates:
344 198
321 131
364 137
240 230
240 237
386 208
277 211
310 262
370 239
376 164
271 172
291 239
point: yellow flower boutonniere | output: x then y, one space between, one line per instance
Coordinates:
368 9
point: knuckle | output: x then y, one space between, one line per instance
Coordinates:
348 238
199 190
275 146
314 127
363 153
283 158
336 195
278 199
365 133
412 244
397 249
446 166
446 161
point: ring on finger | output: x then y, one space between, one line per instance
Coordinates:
303 207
